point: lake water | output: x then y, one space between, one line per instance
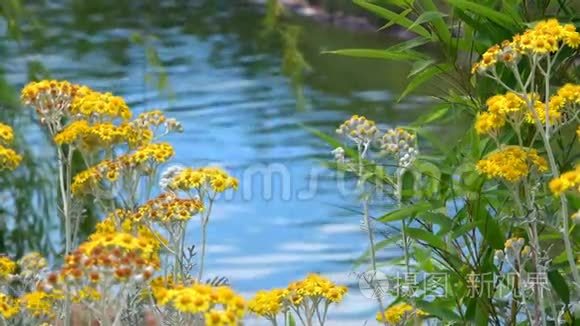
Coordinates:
224 83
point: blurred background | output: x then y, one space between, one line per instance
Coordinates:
244 78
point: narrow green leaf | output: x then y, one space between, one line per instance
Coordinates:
487 12
410 44
559 284
378 54
427 237
419 66
392 16
438 23
437 309
407 211
423 77
427 17
440 219
488 227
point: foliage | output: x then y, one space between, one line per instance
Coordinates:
489 212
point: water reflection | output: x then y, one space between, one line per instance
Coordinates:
239 111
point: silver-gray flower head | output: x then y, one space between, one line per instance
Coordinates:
338 154
168 174
400 144
359 129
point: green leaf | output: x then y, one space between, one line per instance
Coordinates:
419 66
559 284
427 237
423 77
394 17
426 17
407 211
423 257
488 227
402 55
438 310
487 12
440 219
378 246
438 23
410 44
463 229
431 176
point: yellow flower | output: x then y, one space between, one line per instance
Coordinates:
212 178
335 293
51 98
38 303
571 36
71 132
488 123
102 106
216 318
566 181
544 38
9 307
268 303
9 159
570 93
511 163
87 293
399 313
7 267
6 134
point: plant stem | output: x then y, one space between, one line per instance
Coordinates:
365 203
400 173
204 222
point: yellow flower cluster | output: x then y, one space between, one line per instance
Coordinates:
103 106
545 37
515 243
359 129
7 267
144 244
316 286
268 303
399 313
103 265
212 178
127 221
566 181
39 303
511 163
217 305
569 94
9 307
155 153
9 159
102 135
143 159
167 208
313 289
51 98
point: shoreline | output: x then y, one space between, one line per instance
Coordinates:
338 19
